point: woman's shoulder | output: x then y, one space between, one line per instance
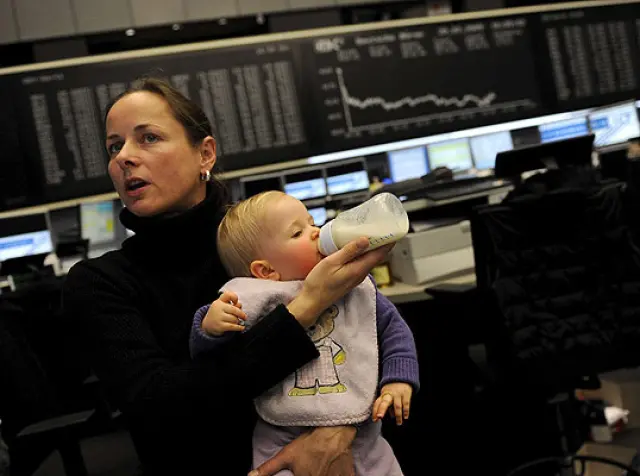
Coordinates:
112 268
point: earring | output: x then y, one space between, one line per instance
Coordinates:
205 176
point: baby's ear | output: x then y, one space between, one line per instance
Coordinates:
262 269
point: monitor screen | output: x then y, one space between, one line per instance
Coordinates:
485 148
525 137
259 185
97 222
349 182
615 124
407 164
568 152
24 236
454 154
319 215
563 129
306 185
347 178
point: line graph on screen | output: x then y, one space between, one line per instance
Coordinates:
367 113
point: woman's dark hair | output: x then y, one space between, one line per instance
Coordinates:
193 119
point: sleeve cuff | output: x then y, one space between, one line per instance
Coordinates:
401 369
200 342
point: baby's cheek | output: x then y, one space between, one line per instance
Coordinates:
304 257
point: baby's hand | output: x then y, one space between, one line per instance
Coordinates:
398 394
225 315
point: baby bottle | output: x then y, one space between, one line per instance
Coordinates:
382 219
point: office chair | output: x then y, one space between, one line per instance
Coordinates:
562 265
614 164
561 154
565 231
37 416
560 273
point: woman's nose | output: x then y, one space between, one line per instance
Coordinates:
127 156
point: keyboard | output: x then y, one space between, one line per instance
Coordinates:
440 176
405 187
461 188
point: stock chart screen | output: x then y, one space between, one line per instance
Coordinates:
413 81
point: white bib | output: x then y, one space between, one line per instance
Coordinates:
337 388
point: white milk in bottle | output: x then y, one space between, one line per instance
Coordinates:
382 219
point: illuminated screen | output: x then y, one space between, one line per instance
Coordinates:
615 124
407 164
96 221
485 148
306 189
319 215
563 130
24 236
350 182
454 154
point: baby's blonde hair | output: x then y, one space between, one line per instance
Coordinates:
241 231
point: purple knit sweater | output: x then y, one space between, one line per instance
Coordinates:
398 357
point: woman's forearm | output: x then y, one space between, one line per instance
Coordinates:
304 309
269 351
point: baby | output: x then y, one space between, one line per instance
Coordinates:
270 244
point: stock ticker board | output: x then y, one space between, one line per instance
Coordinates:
593 54
413 81
250 96
278 100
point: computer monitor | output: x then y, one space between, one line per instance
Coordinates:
347 178
525 137
454 154
319 215
614 124
255 185
306 185
575 151
406 164
97 222
24 236
563 129
486 147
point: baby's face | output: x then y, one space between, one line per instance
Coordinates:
292 249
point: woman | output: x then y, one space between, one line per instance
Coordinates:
132 308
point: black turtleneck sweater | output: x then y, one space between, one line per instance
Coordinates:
132 309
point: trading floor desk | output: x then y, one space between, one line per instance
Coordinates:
401 293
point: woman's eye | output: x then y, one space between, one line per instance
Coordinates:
150 138
114 148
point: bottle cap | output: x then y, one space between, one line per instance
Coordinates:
326 245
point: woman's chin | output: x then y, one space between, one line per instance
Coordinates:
142 208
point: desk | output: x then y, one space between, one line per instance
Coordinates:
495 195
402 293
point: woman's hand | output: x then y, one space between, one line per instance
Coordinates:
323 451
334 277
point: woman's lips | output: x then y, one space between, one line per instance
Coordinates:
136 192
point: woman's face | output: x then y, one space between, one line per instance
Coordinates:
153 166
